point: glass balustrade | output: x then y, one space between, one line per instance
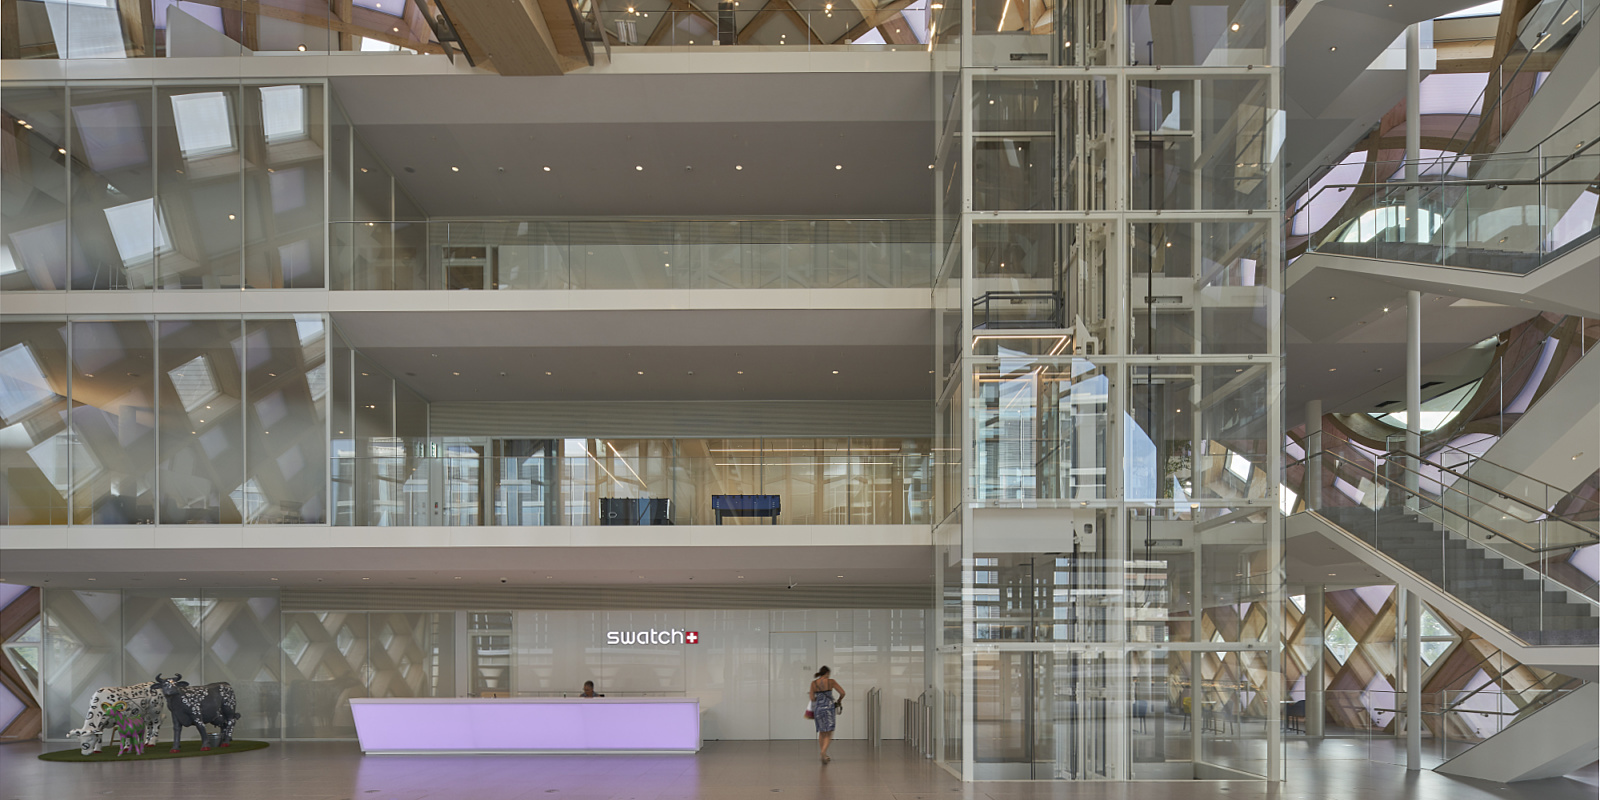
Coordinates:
1497 550
467 486
558 255
1532 211
75 29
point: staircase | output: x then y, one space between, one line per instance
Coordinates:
1518 599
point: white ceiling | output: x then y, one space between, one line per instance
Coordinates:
789 132
684 355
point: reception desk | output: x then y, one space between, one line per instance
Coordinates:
411 725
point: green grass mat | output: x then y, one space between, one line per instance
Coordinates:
188 749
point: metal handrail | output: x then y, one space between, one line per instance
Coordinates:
1545 513
1405 454
1486 110
1378 477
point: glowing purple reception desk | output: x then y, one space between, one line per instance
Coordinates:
527 724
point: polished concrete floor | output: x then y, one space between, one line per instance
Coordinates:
722 771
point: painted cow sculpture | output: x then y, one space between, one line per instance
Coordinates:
96 730
199 706
128 721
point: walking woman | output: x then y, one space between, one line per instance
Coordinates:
824 709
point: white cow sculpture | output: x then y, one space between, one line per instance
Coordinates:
97 730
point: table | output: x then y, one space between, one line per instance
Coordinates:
746 505
418 725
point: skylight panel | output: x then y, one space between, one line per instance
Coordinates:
194 383
204 124
377 46
283 113
86 28
137 232
393 8
1490 9
23 385
1239 466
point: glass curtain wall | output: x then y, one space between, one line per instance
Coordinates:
163 420
1110 346
163 186
387 471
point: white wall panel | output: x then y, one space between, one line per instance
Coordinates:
730 670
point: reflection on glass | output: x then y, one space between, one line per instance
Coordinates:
202 437
285 472
35 447
1040 429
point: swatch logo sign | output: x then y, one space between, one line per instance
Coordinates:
653 636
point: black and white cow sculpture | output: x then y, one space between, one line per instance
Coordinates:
199 706
97 731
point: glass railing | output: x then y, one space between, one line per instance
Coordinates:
1453 721
1542 40
871 489
1519 497
633 254
796 25
1508 224
1543 35
75 29
1508 568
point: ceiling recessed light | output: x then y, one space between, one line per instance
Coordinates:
1333 49
183 579
272 579
301 48
641 372
836 372
455 373
455 169
738 166
838 166
546 169
230 216
741 372
458 577
547 373
366 579
61 150
638 168
1234 26
838 576
1333 297
1333 369
1385 309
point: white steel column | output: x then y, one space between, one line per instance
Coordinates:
1414 227
1413 391
1313 487
1316 669
1413 681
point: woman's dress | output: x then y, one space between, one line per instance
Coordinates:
822 710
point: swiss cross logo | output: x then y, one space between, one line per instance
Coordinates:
692 637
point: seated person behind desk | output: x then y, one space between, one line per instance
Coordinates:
588 690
